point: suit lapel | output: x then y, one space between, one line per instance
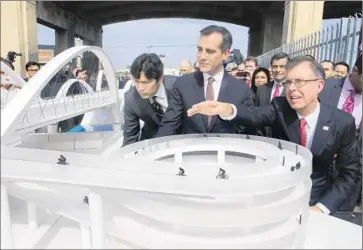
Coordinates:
267 93
335 93
292 125
283 93
322 130
222 97
200 97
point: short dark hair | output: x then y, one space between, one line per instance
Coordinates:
279 56
31 63
343 64
314 65
251 59
358 63
149 64
311 57
227 36
328 61
7 62
253 79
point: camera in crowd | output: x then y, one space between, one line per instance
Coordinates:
235 57
12 55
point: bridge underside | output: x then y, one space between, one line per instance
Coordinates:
245 13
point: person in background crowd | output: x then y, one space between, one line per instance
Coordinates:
250 64
260 77
328 68
241 67
341 70
81 74
329 133
31 69
185 67
6 81
274 88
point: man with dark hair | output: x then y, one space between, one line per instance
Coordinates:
147 100
274 88
328 132
328 68
31 69
211 82
346 94
341 70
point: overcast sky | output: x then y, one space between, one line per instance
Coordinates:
180 34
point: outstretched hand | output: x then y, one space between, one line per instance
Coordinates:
211 108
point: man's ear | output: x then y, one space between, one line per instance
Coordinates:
161 80
355 70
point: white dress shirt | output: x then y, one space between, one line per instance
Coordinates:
311 122
217 87
161 97
346 91
274 87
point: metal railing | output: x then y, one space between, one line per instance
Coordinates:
338 42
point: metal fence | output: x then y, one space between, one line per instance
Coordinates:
338 42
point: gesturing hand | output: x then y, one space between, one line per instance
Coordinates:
211 108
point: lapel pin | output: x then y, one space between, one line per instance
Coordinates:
326 128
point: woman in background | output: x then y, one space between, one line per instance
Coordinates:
260 77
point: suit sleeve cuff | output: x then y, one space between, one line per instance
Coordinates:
323 208
231 117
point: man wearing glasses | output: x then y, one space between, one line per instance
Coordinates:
300 118
31 69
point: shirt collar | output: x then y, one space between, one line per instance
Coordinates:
161 92
282 84
217 77
312 119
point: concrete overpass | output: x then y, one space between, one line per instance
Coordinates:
270 23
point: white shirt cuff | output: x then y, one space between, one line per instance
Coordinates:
231 117
323 208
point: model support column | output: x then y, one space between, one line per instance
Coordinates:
19 32
301 18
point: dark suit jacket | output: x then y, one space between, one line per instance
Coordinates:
330 96
339 139
189 90
331 92
137 109
263 98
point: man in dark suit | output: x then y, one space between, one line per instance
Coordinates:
300 118
147 100
211 82
275 88
346 94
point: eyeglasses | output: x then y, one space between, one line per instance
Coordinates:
33 70
299 82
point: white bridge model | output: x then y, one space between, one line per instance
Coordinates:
186 191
